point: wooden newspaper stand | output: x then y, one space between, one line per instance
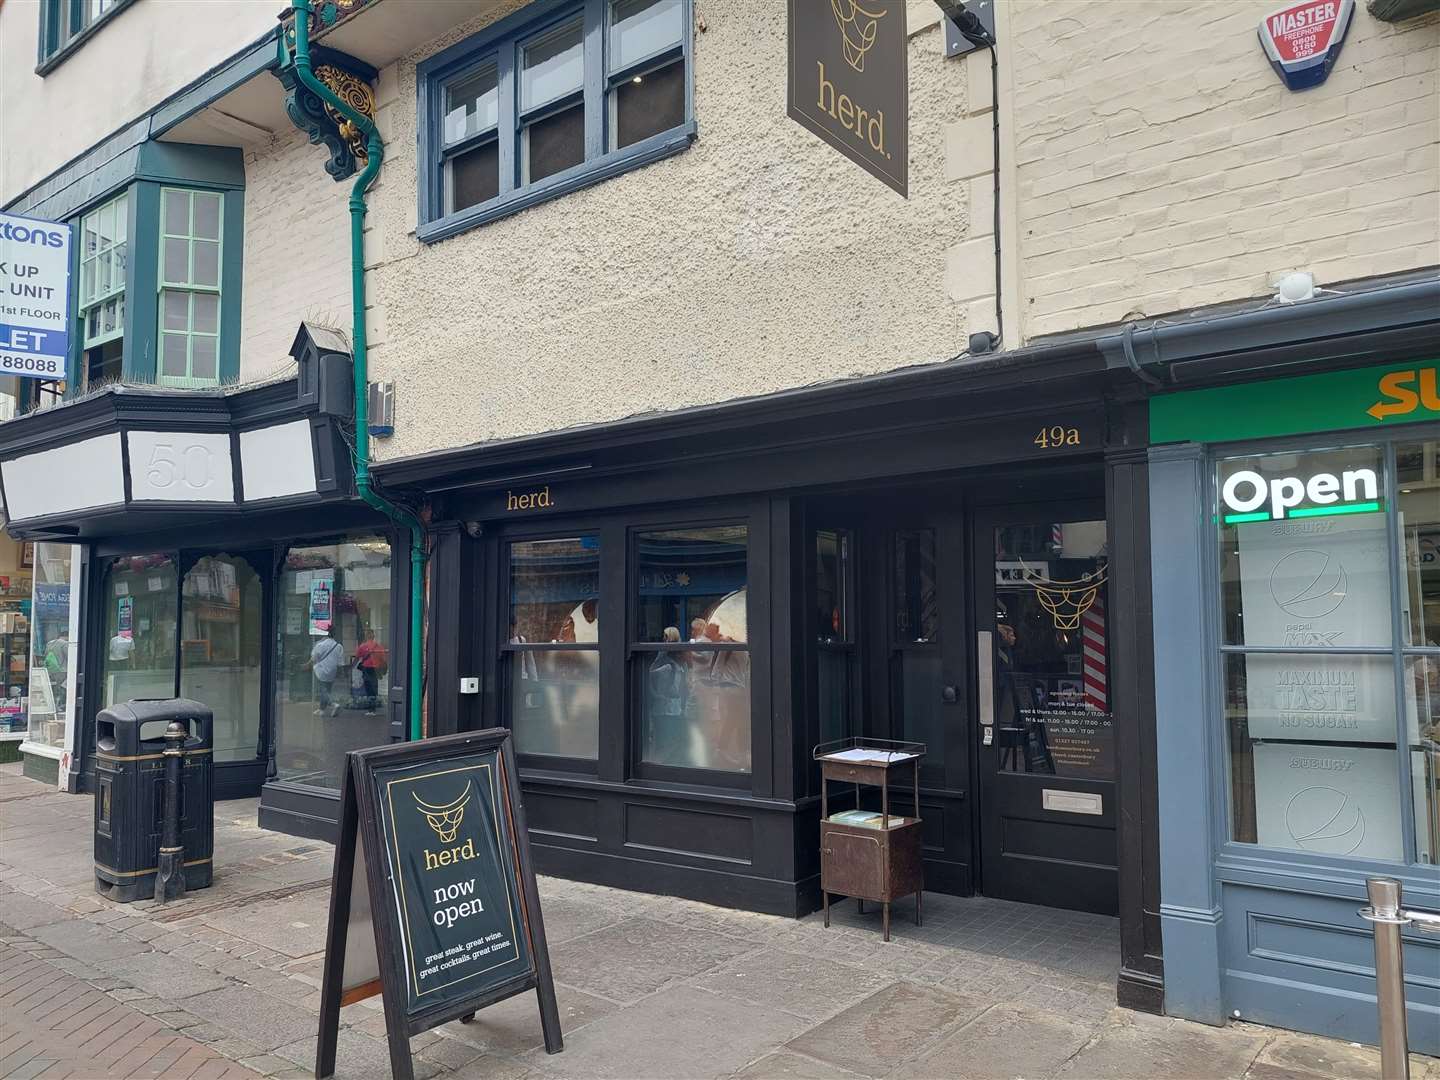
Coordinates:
863 854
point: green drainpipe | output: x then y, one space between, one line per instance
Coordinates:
375 151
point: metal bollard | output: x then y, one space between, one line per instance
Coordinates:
170 878
1387 916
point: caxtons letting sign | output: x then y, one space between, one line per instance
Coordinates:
1249 496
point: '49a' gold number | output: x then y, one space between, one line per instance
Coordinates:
1049 438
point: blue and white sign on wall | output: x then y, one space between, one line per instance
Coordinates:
34 297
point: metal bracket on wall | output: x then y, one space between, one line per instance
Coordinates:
956 43
351 80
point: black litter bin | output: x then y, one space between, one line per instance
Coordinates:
130 795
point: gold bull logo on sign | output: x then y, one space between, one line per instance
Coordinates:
858 27
445 819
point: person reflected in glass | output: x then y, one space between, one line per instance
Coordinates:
324 663
668 684
373 660
1008 722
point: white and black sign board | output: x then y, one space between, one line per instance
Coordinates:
433 902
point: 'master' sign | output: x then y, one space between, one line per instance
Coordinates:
1303 40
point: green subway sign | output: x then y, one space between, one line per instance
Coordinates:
1365 398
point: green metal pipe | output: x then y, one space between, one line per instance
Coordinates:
375 156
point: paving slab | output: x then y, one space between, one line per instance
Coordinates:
681 1032
1005 1041
357 1057
87 942
1131 1045
25 913
809 986
567 918
266 1020
163 975
636 957
1293 1054
790 1066
295 928
888 1028
512 1026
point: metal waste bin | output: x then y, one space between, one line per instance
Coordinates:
130 795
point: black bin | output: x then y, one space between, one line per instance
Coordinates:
130 795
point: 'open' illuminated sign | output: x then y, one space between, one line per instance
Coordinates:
1252 497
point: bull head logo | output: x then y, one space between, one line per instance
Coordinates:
858 26
445 820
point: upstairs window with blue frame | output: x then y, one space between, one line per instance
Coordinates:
64 22
546 102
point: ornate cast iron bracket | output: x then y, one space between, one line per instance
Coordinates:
351 81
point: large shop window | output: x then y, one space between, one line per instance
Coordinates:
553 648
333 668
692 660
52 644
540 106
834 639
197 637
1330 608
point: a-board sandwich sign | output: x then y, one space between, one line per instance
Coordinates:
34 297
434 903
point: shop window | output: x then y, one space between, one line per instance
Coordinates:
915 601
1051 643
52 644
139 593
1312 642
335 634
104 261
834 645
190 266
691 648
553 647
220 641
15 595
552 99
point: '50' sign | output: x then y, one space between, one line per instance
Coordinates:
170 465
173 466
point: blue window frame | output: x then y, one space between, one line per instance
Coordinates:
559 96
64 24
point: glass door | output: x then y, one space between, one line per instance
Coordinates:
1046 733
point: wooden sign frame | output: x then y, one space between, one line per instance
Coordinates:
361 833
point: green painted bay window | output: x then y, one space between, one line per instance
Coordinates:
104 265
189 286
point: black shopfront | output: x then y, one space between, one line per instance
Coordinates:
671 612
227 559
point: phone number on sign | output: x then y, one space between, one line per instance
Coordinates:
14 364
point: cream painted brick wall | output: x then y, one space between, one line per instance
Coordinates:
297 251
1162 165
757 260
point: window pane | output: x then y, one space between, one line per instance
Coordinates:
696 709
220 647
207 215
553 65
649 104
832 569
474 177
91 232
175 309
105 226
833 694
917 611
203 357
107 323
122 224
1422 704
207 263
555 702
692 585
1304 558
554 144
87 281
177 260
333 622
139 595
555 590
207 313
1418 480
119 260
472 104
52 652
177 212
1312 753
102 273
1051 644
173 360
641 28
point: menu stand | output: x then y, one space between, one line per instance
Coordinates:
866 855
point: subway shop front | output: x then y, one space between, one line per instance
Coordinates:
1296 568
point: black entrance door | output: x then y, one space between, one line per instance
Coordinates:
1045 737
919 664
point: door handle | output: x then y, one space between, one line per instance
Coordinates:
949 695
985 676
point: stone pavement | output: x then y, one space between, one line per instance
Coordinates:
649 986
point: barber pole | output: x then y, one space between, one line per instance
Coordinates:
1092 640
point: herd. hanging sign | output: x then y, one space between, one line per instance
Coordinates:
1303 40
